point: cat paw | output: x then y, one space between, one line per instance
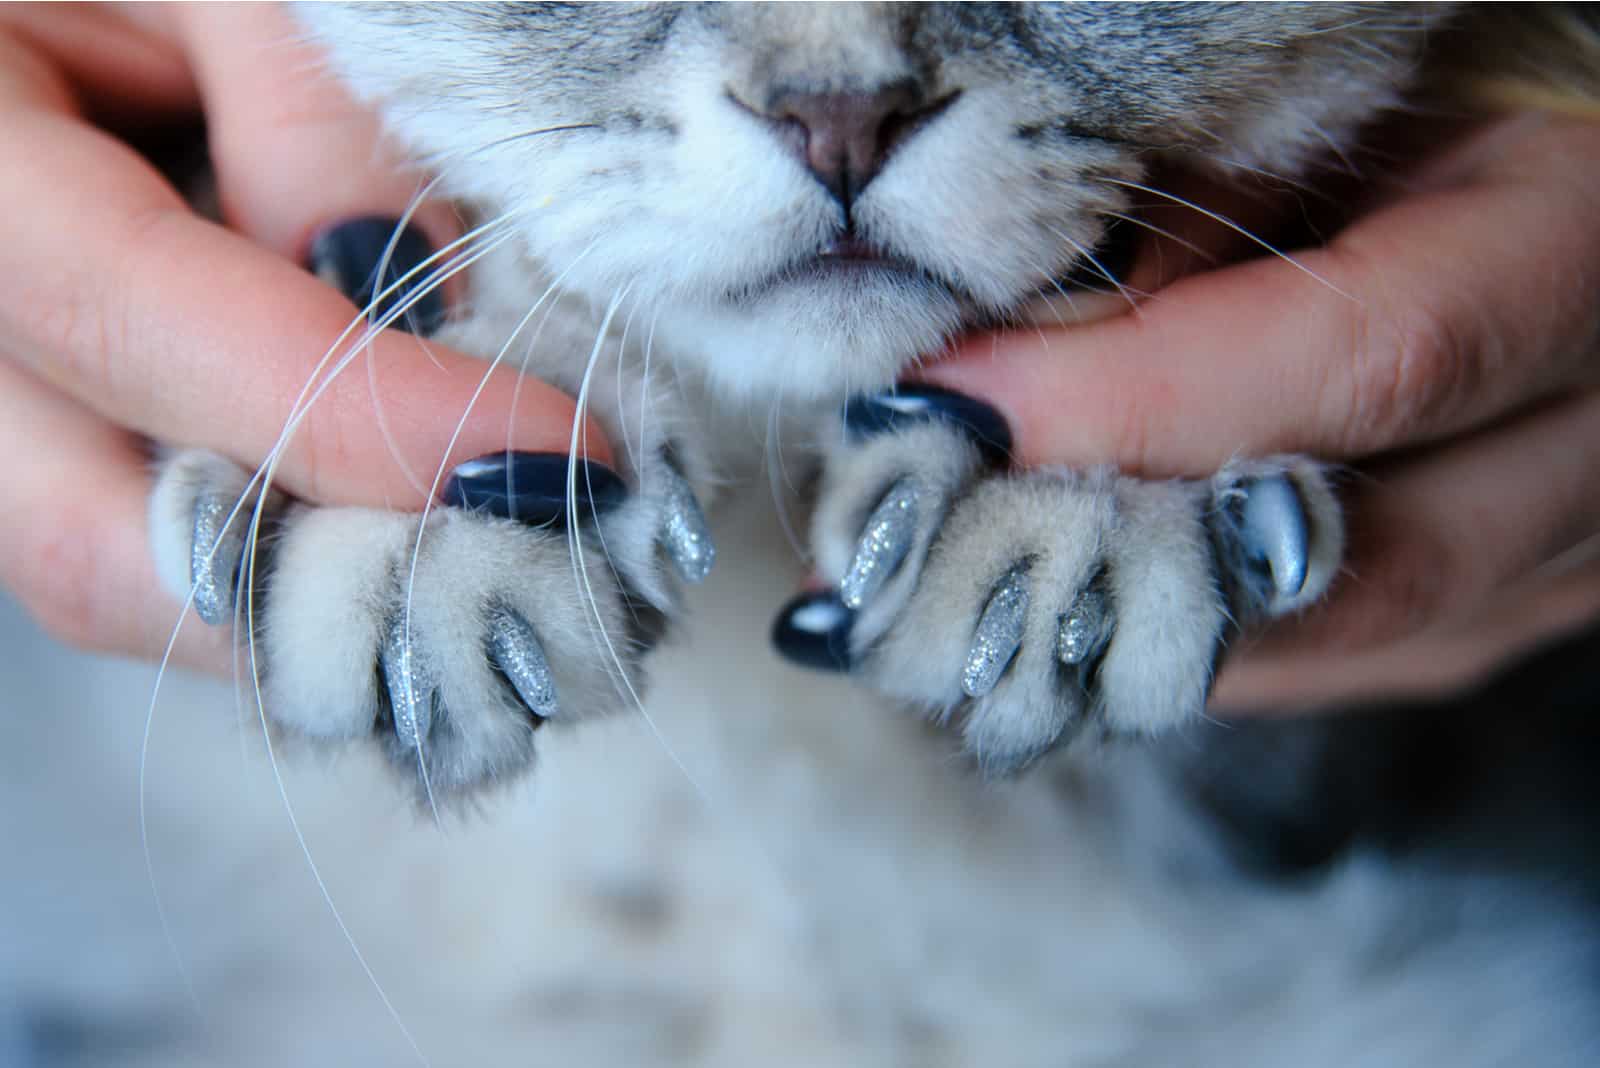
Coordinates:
1025 606
450 640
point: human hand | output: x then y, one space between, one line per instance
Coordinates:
1447 346
127 317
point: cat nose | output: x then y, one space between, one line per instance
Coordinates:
844 139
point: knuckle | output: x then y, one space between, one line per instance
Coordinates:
1414 587
1131 442
320 448
82 323
58 575
1411 373
72 335
1399 595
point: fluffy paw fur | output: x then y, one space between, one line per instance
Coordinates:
1033 604
451 640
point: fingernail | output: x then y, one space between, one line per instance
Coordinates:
686 536
347 256
531 487
907 405
890 529
1113 256
813 630
998 637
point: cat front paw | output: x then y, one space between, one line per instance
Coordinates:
451 640
1023 607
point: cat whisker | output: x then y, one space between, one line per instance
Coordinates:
436 160
1100 269
622 349
1295 184
259 485
432 495
644 379
635 457
580 565
461 253
1333 146
316 872
1061 291
1134 220
1230 224
778 473
427 286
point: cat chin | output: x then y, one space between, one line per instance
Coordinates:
812 343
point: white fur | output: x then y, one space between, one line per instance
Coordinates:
835 892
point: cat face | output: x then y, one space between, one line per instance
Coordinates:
804 198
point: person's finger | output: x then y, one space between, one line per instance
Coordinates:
294 154
1436 537
81 560
115 65
1435 314
1448 659
181 330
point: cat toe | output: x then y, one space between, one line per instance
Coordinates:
881 506
202 514
454 642
1279 534
1273 529
450 641
1021 608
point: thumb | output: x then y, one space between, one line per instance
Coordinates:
294 154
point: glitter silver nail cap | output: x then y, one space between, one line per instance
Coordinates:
685 536
885 540
999 635
410 687
1083 629
516 649
211 565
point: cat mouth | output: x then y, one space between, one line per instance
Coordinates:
850 256
849 249
849 261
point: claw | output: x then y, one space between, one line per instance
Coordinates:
515 649
1085 628
884 543
410 688
685 535
214 556
999 635
1274 531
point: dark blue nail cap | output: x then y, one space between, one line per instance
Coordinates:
906 405
346 256
813 630
531 487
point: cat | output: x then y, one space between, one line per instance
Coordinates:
795 204
730 219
